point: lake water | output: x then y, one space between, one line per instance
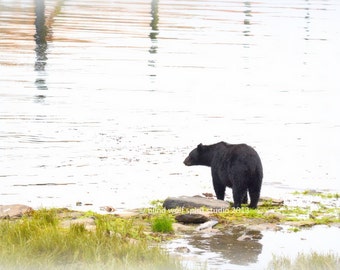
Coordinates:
100 102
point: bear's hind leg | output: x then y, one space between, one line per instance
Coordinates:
238 196
245 198
254 199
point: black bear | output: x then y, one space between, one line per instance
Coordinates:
237 166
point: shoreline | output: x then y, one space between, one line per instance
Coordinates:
247 230
305 208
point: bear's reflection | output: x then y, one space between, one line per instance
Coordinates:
236 246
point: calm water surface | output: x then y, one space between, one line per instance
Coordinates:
101 101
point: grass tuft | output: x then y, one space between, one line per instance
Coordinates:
162 223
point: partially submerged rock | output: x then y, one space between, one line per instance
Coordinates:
250 236
182 249
14 210
194 202
207 225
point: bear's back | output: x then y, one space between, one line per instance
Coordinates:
238 153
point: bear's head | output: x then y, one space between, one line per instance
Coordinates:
195 156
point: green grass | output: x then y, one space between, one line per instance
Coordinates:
319 194
39 242
162 223
241 215
273 214
312 261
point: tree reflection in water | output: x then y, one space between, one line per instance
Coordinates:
41 45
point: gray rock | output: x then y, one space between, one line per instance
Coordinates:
182 249
244 237
194 202
270 201
191 218
264 227
207 225
179 227
14 210
251 235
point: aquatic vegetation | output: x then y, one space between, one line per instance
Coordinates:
318 193
313 260
305 216
157 203
40 242
240 214
294 229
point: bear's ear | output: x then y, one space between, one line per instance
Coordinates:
200 147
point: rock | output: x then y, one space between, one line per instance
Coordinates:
195 202
207 225
301 223
271 201
107 209
250 235
273 215
208 195
244 237
182 250
14 210
178 227
191 218
264 227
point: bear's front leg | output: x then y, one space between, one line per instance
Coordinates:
219 188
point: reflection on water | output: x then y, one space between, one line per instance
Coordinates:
229 246
153 36
241 249
41 44
154 26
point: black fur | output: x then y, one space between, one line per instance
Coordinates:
237 166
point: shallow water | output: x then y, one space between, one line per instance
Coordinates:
224 251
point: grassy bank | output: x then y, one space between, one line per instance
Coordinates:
312 261
38 241
63 239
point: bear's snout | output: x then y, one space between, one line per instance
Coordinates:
187 161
